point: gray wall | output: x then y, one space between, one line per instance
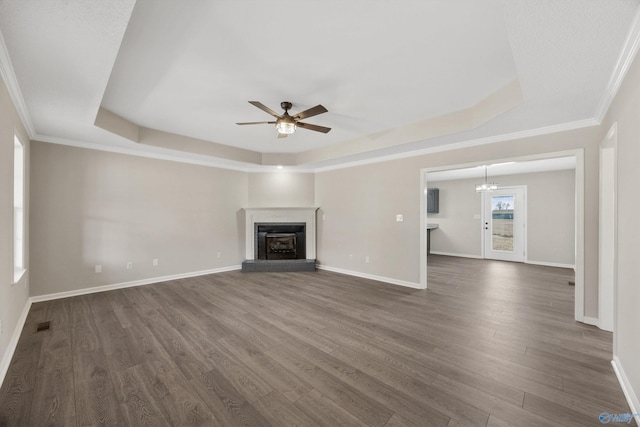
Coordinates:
459 233
361 202
550 216
91 207
625 111
281 189
13 297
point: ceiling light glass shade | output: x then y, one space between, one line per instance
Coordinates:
286 128
486 186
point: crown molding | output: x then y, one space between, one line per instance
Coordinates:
250 168
627 55
167 155
562 127
10 79
210 162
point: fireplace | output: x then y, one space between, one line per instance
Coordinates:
280 240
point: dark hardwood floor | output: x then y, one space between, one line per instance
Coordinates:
488 344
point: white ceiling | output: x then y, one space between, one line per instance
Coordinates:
189 68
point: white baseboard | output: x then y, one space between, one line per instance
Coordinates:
594 321
371 277
13 343
458 255
85 291
627 389
551 264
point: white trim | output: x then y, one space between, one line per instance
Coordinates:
209 161
579 215
627 388
457 255
255 168
593 321
627 55
562 127
423 234
551 264
608 230
8 75
85 291
579 236
171 156
371 277
13 343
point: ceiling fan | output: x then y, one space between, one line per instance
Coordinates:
287 124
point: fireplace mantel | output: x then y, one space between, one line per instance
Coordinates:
306 215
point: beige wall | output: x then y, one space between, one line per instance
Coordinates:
281 189
550 216
460 231
91 207
12 297
625 111
360 204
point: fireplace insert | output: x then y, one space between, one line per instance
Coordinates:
280 241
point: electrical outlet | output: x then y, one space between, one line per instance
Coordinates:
219 255
98 268
350 257
366 260
155 262
399 218
129 265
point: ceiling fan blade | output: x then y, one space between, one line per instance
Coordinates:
257 123
264 108
282 135
313 127
313 111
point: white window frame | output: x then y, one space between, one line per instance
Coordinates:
19 219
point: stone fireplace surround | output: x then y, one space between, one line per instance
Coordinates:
284 215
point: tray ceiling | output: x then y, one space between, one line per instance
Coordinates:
172 79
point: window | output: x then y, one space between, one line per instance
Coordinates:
18 210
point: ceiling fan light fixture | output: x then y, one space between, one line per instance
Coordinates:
285 128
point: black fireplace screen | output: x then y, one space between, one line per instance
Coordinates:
280 241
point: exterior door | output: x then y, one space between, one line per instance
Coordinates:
503 224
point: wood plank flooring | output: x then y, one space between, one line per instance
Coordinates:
488 344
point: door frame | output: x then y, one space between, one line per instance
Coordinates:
608 220
524 218
579 215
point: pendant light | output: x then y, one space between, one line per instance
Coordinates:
486 186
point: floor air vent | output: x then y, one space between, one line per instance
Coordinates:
43 326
